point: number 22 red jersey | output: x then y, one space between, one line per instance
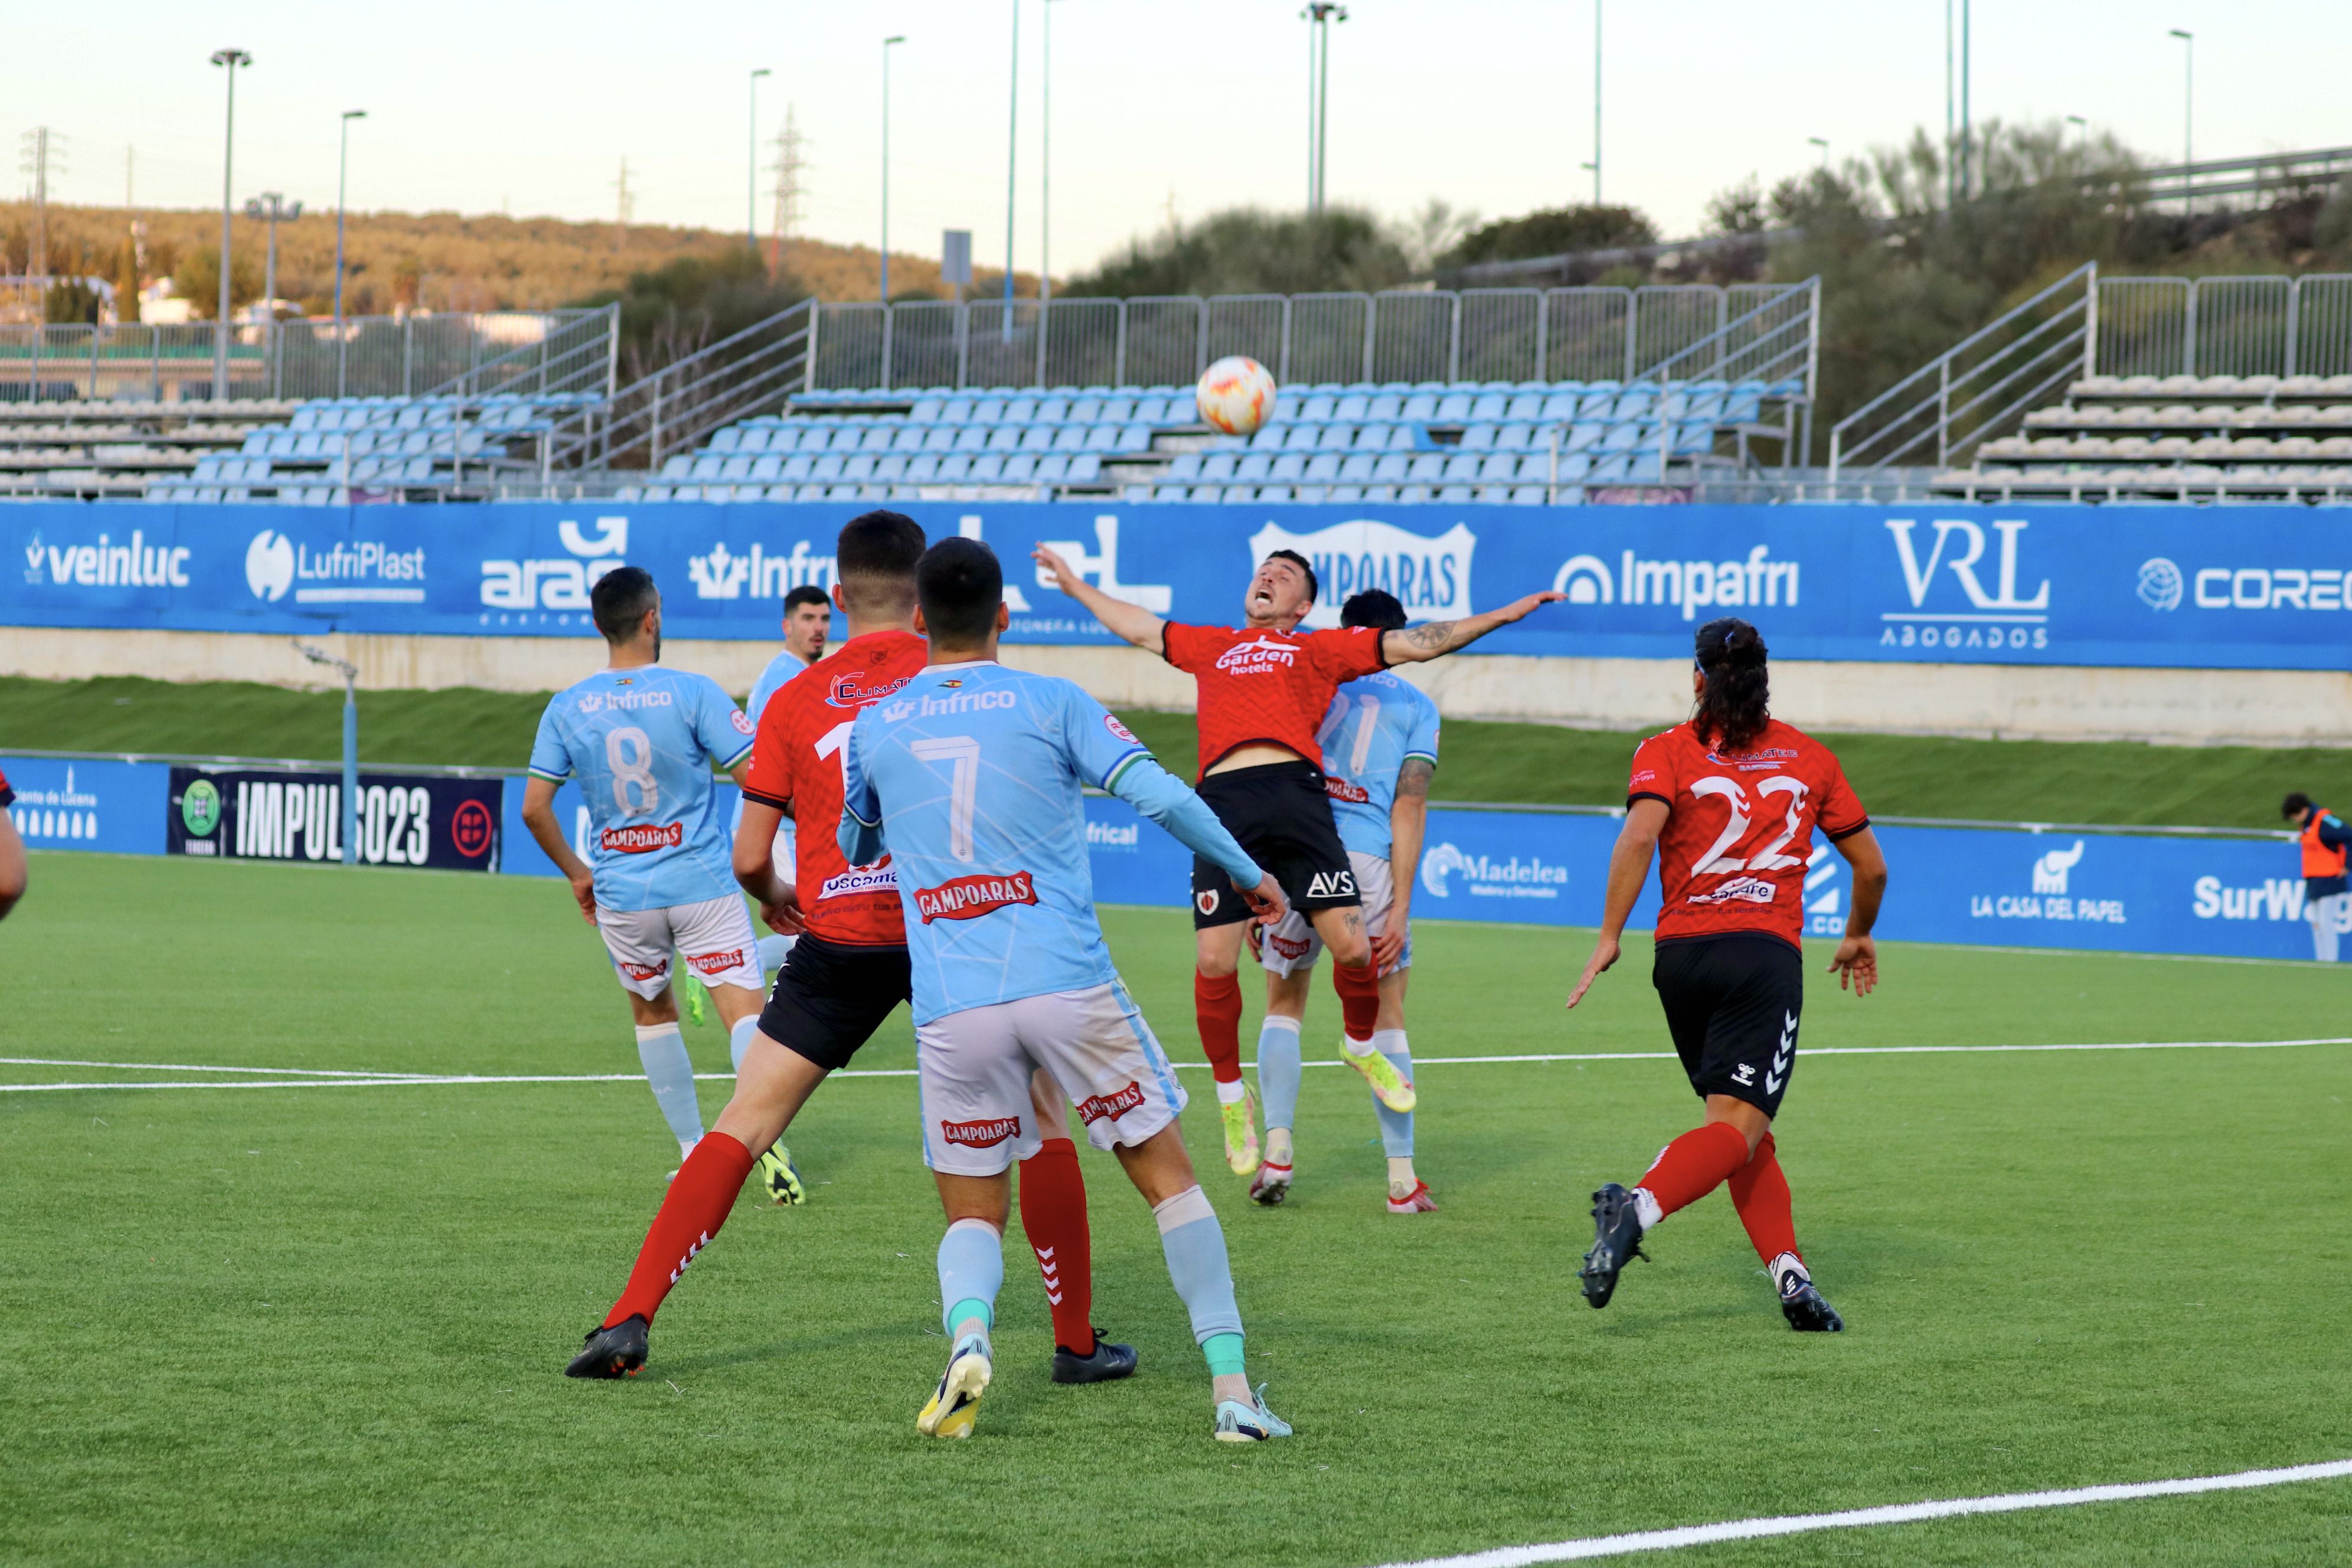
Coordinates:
1268 685
796 763
1740 828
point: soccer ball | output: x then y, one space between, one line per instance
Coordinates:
1235 395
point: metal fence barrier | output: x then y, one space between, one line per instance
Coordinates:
367 356
1407 335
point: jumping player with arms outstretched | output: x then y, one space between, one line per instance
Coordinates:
1264 688
973 775
1729 802
842 979
1379 749
642 740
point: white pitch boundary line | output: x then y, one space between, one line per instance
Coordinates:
411 1081
1896 1514
186 1067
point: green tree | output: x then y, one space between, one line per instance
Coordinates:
196 280
71 301
1247 250
693 302
126 281
1553 232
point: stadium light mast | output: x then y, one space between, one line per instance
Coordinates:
1967 158
751 169
1045 200
1823 145
1596 103
231 58
272 209
2188 112
343 171
1320 17
1011 146
887 45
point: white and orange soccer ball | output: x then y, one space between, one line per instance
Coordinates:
1235 395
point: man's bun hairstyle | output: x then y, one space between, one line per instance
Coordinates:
1375 607
1732 709
960 586
619 602
1314 587
875 559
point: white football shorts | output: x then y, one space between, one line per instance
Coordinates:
714 939
1290 944
974 1068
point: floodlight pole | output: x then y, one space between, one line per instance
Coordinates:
343 172
1319 15
1045 199
231 58
1596 102
1968 157
1822 143
751 169
270 206
887 46
1011 144
351 673
2188 112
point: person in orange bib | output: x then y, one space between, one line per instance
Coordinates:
2325 900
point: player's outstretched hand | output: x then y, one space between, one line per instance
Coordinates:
583 889
1266 900
1055 567
1604 954
1856 960
1520 609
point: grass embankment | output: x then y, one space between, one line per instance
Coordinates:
2121 783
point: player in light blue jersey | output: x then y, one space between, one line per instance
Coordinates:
808 623
1379 747
660 881
971 778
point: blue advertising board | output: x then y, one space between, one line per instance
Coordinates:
2193 587
2005 887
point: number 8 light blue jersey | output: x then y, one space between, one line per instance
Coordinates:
1374 724
641 744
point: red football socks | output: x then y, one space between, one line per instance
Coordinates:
1054 1213
1760 1192
1359 999
1217 1004
1694 1164
701 1197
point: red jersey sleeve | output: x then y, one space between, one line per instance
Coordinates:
1841 815
1189 648
769 779
1653 773
1343 655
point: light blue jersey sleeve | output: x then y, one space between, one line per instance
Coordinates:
1110 758
781 668
860 834
551 759
722 727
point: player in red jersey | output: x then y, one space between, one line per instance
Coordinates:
844 975
12 852
1264 689
1728 802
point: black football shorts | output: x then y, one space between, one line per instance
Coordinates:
830 997
1280 815
1732 1005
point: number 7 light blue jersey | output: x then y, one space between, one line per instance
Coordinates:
1374 724
641 744
975 774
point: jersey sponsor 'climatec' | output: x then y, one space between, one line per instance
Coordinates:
1374 725
1268 685
641 744
981 770
1740 828
798 763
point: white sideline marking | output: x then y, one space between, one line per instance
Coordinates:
1895 1513
354 1079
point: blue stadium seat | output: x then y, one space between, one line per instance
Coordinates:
1490 405
1183 467
1452 408
1428 467
1421 407
891 467
1216 467
1478 438
1288 468
1392 469
1272 493
1070 438
1500 467
988 467
922 469
1457 495
1164 492
956 467
1461 469
1254 466
1357 468
1084 470
1019 468
1323 468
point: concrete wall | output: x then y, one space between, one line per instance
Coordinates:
2043 701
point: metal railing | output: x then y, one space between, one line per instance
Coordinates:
581 351
366 356
2085 324
1397 335
674 408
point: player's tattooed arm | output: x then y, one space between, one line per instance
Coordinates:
1415 644
1407 821
1133 622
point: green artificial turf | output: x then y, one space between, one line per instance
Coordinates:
1896 776
264 1325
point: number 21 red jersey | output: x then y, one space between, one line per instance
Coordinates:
1740 828
796 761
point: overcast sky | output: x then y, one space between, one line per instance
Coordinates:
531 107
